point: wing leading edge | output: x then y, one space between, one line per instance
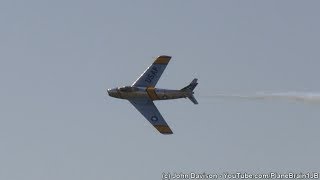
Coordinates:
151 113
152 74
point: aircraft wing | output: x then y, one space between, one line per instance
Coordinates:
152 74
147 108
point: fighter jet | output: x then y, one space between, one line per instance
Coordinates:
142 93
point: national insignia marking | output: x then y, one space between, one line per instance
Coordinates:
154 118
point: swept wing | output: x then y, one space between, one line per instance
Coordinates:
152 74
147 108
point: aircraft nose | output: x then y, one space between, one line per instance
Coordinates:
111 92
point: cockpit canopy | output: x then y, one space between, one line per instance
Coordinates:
128 89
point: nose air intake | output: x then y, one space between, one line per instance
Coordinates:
108 91
112 92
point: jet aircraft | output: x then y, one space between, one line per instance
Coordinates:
142 93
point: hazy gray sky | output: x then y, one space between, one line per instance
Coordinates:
57 58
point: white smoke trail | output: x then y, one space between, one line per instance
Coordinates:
292 96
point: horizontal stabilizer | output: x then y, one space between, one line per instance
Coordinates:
193 99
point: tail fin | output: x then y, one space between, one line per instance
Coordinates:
191 86
190 89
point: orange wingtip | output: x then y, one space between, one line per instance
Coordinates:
162 59
163 129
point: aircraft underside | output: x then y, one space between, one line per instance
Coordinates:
142 93
153 94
